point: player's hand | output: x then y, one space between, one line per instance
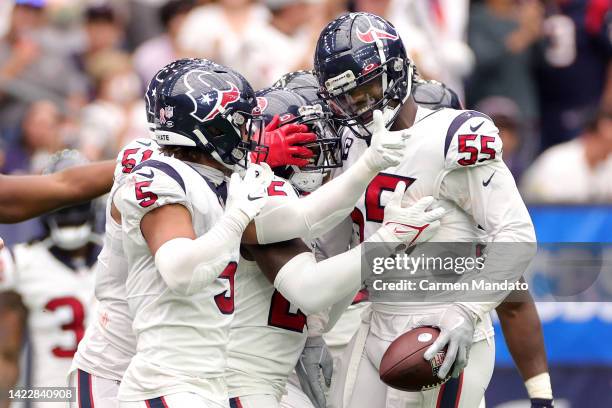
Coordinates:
456 326
386 147
410 224
542 403
314 361
284 144
248 194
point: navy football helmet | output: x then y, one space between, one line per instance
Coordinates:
292 108
361 65
435 95
303 82
71 227
210 107
159 77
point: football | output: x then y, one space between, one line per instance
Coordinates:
403 366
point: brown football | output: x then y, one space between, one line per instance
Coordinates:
403 366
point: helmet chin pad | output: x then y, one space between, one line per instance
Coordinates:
70 238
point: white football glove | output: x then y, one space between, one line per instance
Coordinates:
409 225
386 147
314 361
456 326
249 193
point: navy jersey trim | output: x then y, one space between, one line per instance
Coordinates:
450 393
85 389
456 124
166 168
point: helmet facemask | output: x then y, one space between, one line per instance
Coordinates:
71 228
326 149
354 99
244 127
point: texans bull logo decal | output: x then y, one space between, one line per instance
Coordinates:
222 99
374 34
262 104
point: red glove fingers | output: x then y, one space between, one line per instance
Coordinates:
300 138
273 124
300 151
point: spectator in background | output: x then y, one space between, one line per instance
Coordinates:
503 35
434 32
39 138
576 66
103 31
117 114
578 171
286 43
221 30
506 116
13 323
153 54
28 71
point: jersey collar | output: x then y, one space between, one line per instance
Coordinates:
214 175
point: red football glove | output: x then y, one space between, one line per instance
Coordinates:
283 144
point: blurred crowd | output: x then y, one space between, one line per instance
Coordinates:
72 72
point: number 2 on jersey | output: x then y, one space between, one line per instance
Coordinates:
281 315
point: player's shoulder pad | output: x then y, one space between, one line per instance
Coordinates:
132 154
152 184
281 187
472 139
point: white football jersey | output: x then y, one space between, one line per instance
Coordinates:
109 342
268 333
452 156
181 340
58 293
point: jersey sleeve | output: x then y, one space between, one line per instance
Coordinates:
7 270
151 185
472 140
134 153
489 194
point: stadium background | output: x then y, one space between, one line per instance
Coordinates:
72 74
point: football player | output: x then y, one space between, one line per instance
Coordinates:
54 276
181 245
258 369
109 343
453 155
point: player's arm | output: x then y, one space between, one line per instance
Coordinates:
315 286
522 329
320 211
156 204
481 184
478 182
23 197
